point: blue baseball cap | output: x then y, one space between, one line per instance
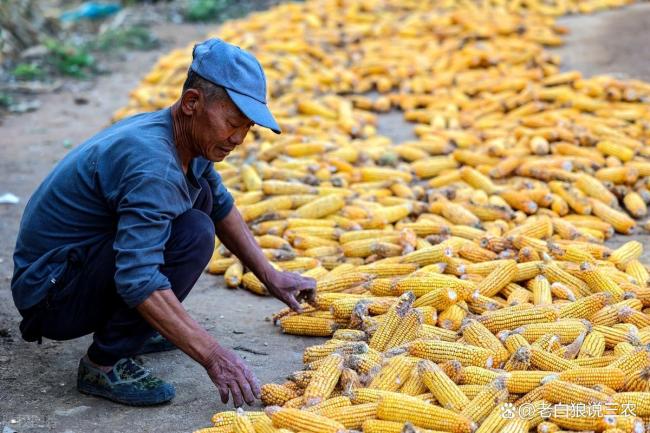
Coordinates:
238 72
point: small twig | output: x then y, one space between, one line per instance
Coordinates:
253 351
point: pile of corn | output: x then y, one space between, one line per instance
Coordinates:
462 275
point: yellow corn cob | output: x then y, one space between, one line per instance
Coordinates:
220 265
593 346
527 270
352 417
599 281
452 317
402 408
321 207
233 275
280 187
546 361
384 333
610 314
368 247
519 360
342 282
635 204
386 270
601 361
627 252
301 377
514 341
251 179
612 377
263 425
548 342
621 222
440 351
314 353
478 335
324 380
295 419
407 331
393 374
559 391
475 253
573 196
425 284
303 325
477 180
541 290
555 274
448 394
631 362
517 295
473 375
253 211
636 270
486 401
427 256
511 318
365 363
226 419
498 279
638 381
273 394
566 329
253 284
380 426
433 332
522 382
338 401
413 384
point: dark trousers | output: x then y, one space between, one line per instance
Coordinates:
90 303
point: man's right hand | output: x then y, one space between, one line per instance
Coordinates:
231 375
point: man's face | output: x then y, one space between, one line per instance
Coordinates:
218 127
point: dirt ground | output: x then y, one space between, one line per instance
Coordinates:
37 383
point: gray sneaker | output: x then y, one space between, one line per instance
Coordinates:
127 383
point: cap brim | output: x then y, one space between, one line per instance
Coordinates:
256 111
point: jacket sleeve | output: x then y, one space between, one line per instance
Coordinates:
145 212
222 201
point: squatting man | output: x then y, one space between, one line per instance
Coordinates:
119 232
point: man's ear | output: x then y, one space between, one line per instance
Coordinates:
189 101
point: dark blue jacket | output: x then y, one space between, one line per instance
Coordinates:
125 182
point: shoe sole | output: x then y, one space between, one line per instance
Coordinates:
100 392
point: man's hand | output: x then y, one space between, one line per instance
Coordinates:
288 287
231 375
291 288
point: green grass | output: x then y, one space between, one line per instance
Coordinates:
209 10
5 100
27 71
71 60
134 38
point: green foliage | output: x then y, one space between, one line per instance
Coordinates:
70 60
27 71
205 10
5 100
135 38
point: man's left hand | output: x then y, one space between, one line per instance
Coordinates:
292 288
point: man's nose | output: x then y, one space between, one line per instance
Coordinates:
237 138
